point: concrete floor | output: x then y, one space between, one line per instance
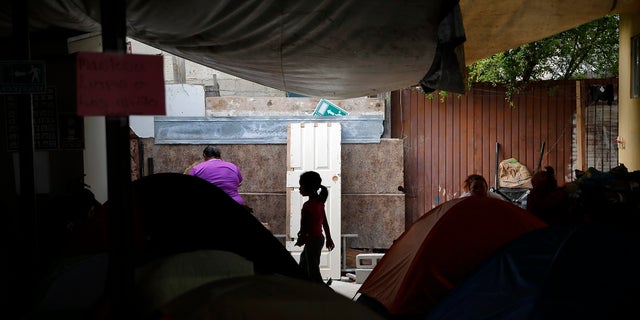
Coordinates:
348 289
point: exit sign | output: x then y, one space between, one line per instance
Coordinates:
18 77
326 108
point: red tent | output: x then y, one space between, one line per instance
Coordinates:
440 249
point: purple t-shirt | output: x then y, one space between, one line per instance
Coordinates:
225 175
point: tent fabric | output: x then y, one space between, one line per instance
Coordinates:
440 248
447 71
180 213
264 297
72 288
174 213
583 272
160 281
178 220
77 287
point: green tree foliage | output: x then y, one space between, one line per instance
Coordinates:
587 51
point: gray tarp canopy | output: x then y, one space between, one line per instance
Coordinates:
330 48
327 48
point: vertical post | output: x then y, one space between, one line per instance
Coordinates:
121 274
179 70
141 158
628 103
344 247
344 252
580 128
496 176
540 155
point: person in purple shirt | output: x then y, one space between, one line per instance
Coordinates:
223 174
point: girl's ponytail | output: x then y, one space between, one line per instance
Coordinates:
324 193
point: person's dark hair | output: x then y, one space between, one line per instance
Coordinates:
212 152
311 181
471 178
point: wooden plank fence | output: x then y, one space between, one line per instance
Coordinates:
446 139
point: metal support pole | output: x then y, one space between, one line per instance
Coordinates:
121 274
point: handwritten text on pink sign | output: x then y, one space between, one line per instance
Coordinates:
114 84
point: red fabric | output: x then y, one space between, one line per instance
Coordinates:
311 218
441 248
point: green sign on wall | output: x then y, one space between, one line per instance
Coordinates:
18 77
327 109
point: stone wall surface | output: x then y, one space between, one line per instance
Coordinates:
282 106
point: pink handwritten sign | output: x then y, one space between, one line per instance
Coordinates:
114 84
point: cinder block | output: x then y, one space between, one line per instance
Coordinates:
368 260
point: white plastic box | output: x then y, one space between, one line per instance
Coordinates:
368 260
365 262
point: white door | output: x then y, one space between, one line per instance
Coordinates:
315 147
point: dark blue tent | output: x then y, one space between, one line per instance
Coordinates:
581 272
179 213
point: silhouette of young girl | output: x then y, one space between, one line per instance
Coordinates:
313 220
